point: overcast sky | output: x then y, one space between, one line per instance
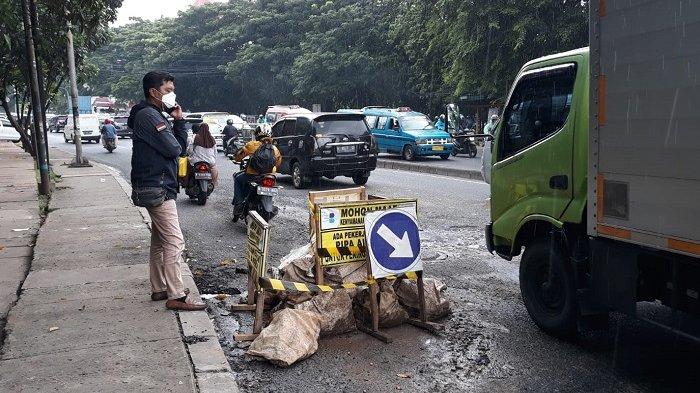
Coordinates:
150 9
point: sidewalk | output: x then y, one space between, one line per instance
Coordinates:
460 166
84 320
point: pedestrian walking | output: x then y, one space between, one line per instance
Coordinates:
156 148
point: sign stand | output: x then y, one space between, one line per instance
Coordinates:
258 238
423 322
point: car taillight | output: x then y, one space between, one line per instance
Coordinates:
268 182
202 168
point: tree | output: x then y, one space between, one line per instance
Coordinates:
91 19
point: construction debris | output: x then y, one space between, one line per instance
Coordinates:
436 303
291 336
335 311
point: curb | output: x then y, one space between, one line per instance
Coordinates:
433 170
211 368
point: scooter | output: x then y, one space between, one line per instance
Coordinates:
110 144
463 144
261 191
199 184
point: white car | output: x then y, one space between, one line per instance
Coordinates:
89 128
7 132
217 122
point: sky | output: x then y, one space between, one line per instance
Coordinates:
151 9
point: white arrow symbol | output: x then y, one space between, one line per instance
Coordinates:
402 246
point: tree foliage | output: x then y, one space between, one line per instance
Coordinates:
245 54
90 20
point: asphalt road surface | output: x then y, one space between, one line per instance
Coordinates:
489 344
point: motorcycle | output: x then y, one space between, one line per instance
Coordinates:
199 183
463 144
261 191
110 144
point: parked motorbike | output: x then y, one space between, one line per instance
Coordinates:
110 144
463 144
261 191
199 183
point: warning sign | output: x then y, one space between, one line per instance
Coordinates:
340 232
256 252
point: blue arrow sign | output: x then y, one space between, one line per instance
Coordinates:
393 241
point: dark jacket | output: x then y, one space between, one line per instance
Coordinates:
230 132
156 147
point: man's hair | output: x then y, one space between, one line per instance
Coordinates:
155 79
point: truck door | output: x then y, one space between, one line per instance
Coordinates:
380 136
533 151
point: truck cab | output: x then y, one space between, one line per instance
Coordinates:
539 152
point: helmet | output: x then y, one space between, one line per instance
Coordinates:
262 131
107 121
494 117
229 122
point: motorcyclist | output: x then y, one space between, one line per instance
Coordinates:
108 131
230 133
440 123
241 180
489 128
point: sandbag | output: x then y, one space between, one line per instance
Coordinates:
436 303
298 265
335 310
390 311
291 336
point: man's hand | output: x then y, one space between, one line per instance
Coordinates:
176 113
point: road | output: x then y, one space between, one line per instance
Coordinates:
490 344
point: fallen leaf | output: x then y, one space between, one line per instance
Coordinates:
402 375
221 297
53 329
226 262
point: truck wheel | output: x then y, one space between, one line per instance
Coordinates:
360 180
548 290
298 176
408 153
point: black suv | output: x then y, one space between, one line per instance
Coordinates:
325 144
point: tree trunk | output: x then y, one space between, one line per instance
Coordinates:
40 72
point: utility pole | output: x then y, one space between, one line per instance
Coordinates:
40 147
79 159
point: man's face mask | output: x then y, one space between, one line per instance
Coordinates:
168 100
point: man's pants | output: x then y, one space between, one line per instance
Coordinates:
167 245
240 187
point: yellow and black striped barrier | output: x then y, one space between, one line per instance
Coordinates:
340 251
271 284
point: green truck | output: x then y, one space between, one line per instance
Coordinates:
595 172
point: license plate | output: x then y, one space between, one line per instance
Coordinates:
267 191
438 148
345 149
87 132
202 176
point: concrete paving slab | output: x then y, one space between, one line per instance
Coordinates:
136 290
158 366
87 323
196 323
87 259
13 271
25 241
222 382
8 295
55 278
20 214
15 252
207 356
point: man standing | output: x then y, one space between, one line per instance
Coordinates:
486 154
156 147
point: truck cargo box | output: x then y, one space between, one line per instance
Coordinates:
644 149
